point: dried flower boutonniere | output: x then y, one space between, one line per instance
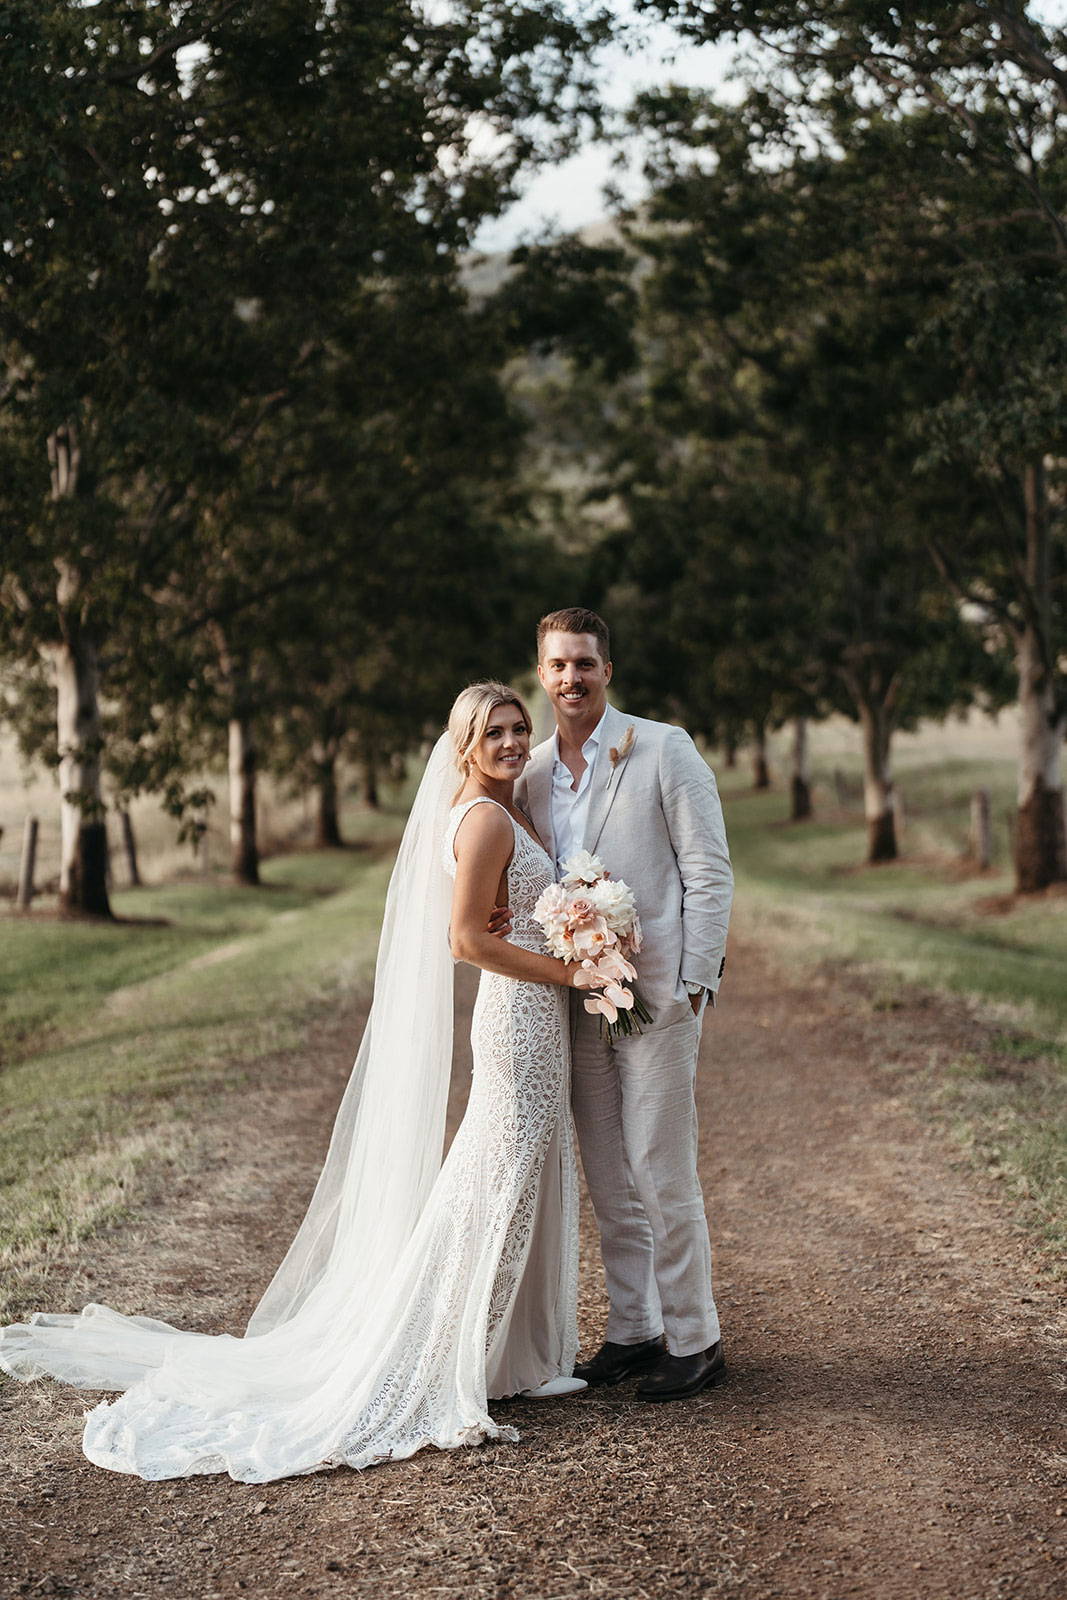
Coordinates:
617 757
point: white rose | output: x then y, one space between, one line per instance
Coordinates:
615 902
582 868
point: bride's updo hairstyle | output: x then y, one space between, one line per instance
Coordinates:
470 714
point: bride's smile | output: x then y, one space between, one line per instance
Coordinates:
503 750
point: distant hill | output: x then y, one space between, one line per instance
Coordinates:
482 274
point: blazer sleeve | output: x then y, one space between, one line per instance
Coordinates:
691 806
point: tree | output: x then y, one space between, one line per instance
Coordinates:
989 80
938 50
182 245
778 419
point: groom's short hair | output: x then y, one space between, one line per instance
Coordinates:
575 619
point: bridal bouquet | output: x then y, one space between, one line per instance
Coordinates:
590 918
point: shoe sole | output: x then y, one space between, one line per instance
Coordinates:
710 1382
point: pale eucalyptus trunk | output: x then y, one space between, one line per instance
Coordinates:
878 807
1040 843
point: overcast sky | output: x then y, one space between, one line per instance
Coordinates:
569 195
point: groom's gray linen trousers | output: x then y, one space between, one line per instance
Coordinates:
654 819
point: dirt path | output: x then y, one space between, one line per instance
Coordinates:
892 1426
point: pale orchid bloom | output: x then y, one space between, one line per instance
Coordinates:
620 997
601 1003
592 937
612 964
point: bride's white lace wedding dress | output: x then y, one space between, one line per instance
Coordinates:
380 1337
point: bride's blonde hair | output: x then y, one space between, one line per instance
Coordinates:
470 714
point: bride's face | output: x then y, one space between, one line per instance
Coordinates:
504 748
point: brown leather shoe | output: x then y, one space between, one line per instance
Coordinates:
678 1377
614 1362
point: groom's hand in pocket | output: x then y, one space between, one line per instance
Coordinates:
499 923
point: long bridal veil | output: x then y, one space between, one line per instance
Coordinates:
386 1147
322 1344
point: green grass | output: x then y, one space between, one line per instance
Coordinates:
927 917
54 974
117 1036
930 922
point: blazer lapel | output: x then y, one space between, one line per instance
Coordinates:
606 778
539 794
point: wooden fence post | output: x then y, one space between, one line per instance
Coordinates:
981 830
28 864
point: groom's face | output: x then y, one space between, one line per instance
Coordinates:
574 678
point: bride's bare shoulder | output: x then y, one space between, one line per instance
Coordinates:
484 829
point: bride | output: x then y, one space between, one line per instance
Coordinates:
415 1289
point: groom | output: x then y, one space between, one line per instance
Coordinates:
638 795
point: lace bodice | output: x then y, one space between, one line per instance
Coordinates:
530 871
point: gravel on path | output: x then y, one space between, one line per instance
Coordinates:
892 1424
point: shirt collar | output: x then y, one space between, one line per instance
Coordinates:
588 748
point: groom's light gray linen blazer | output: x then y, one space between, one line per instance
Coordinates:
655 821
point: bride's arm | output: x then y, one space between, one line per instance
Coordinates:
484 844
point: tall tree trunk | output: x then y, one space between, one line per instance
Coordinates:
28 864
761 772
369 769
327 825
83 830
878 805
83 863
129 845
730 752
800 782
1040 843
244 851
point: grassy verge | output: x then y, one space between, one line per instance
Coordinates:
116 1036
930 923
